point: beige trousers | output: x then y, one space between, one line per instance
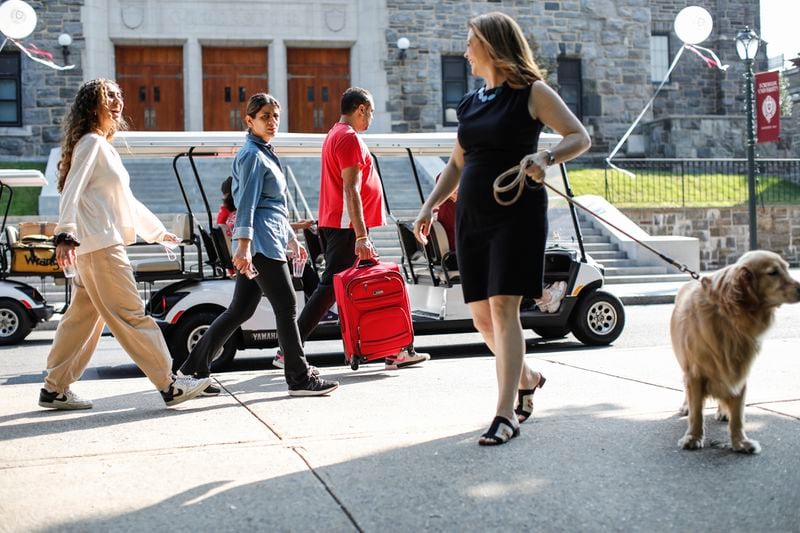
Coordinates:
104 292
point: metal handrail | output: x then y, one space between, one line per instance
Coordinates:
307 210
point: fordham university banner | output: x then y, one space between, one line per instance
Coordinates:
768 106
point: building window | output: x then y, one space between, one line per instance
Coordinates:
659 57
454 86
10 95
570 84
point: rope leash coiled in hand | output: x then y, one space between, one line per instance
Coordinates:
519 183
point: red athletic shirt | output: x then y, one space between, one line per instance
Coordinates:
342 149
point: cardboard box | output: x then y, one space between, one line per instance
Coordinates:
36 228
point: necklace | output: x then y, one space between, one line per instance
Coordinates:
483 97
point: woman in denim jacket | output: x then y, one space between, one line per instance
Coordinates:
261 236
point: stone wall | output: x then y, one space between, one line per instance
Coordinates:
724 232
46 92
695 136
612 39
693 86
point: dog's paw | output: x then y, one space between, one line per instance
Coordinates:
683 410
721 416
747 446
690 442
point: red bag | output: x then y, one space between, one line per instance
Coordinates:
374 311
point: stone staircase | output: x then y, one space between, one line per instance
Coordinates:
153 182
618 267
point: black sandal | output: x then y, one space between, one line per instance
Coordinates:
524 408
500 432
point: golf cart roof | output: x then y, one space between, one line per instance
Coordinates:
226 144
22 178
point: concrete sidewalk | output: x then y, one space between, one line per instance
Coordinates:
397 451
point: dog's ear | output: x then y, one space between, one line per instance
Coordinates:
746 287
734 289
743 290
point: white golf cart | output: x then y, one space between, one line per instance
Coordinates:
22 306
186 308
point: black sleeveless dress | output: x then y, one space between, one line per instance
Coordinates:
500 249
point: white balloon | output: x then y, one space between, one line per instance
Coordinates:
693 25
17 19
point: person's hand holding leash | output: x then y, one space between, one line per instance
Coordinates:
535 165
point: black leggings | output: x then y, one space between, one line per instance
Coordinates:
274 282
339 255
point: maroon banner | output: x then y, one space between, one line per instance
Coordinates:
768 106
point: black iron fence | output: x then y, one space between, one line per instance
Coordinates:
701 182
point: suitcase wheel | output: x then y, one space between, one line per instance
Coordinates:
354 363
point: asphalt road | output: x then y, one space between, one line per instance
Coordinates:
647 326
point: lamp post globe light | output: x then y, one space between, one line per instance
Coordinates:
747 42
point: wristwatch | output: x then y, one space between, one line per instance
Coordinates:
551 158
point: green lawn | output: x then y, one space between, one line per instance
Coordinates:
25 200
707 190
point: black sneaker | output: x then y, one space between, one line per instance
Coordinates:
67 401
211 390
315 386
184 388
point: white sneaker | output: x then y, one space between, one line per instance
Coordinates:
404 359
67 401
184 388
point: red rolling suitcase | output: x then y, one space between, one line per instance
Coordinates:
374 311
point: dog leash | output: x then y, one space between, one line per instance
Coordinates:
519 183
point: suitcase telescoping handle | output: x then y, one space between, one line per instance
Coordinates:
364 263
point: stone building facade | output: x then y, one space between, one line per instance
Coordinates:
43 91
596 51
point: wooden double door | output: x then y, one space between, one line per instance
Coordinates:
151 79
230 77
317 79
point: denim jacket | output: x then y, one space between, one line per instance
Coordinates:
259 191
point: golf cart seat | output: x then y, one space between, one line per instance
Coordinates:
440 251
218 251
432 263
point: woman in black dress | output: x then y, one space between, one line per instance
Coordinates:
501 248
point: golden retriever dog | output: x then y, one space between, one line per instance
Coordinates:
716 328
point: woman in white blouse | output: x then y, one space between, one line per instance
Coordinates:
98 217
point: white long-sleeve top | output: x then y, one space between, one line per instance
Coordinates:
97 203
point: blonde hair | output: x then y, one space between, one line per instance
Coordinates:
506 45
82 118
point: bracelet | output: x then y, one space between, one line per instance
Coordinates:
364 238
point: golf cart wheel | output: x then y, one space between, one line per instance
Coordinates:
15 324
598 318
188 332
551 332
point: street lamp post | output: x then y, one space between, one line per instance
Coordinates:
747 46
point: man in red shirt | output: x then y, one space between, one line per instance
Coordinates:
350 202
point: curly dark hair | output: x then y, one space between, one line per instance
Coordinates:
82 118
